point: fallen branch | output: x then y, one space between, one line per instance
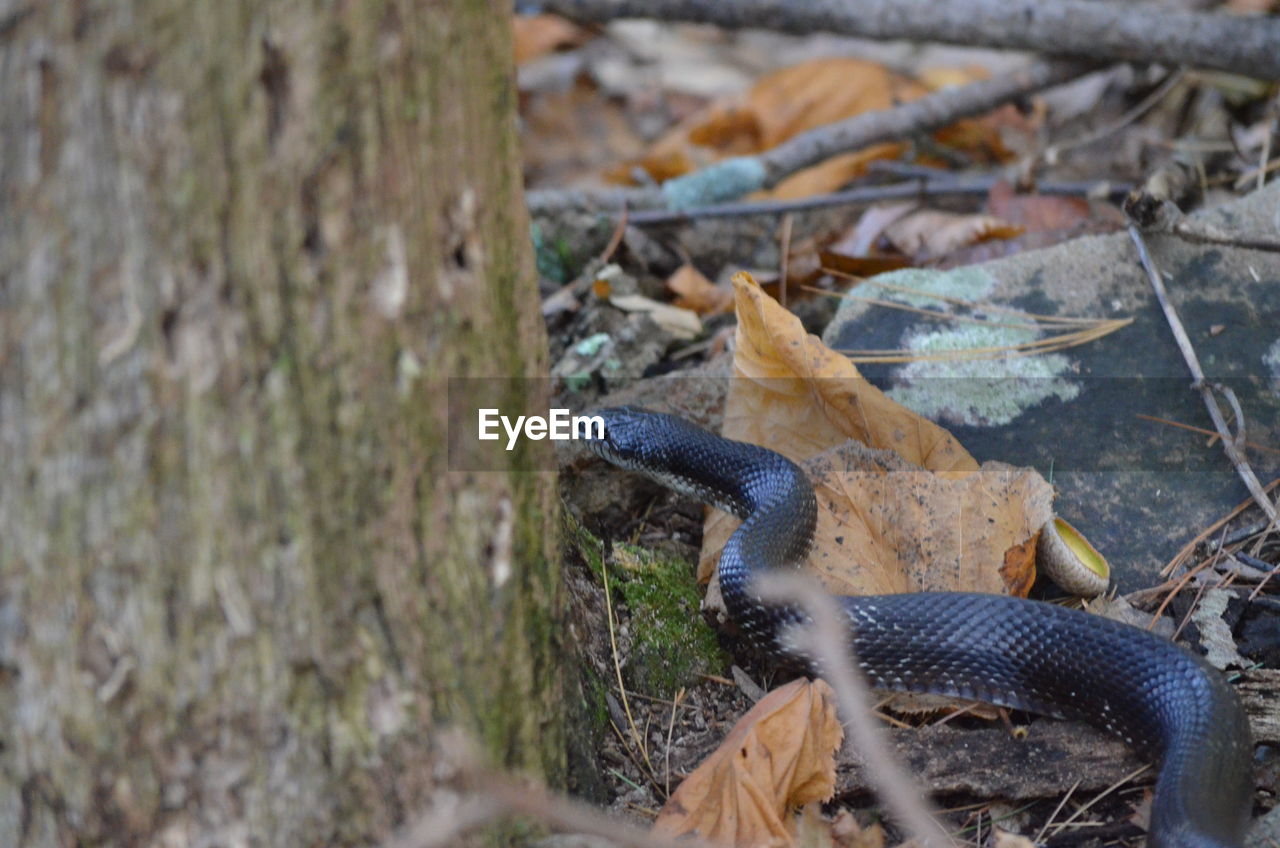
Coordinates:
733 178
945 187
931 112
1231 442
489 794
1129 32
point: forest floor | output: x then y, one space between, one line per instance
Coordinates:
981 274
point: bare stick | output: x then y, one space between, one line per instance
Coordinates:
550 201
926 114
827 642
732 178
493 793
1130 32
1231 442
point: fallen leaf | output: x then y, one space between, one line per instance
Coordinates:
779 756
902 507
538 35
800 397
681 323
791 101
1037 212
857 251
930 233
847 833
1006 839
697 293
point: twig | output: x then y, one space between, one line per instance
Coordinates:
1058 828
1202 431
1129 32
730 179
636 738
826 641
502 794
926 114
943 187
671 729
1065 798
616 239
1182 555
1053 151
1230 441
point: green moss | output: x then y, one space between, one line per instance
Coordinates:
671 642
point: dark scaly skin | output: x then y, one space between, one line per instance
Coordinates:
1168 704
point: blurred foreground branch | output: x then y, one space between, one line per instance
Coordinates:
1132 32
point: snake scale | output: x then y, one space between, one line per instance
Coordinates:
1166 703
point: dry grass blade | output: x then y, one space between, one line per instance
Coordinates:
617 668
1058 828
1052 344
1089 329
1230 441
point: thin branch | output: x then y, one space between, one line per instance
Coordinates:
827 641
945 187
926 114
1051 154
1129 32
501 794
732 178
1231 442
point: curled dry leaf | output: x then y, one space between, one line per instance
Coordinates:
779 756
903 507
930 233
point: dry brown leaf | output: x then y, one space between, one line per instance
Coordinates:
780 105
537 35
794 100
780 755
698 293
855 251
800 397
904 508
831 174
1037 212
930 233
679 322
849 834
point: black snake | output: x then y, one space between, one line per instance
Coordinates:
1166 703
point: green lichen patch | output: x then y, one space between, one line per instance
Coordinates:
929 289
980 392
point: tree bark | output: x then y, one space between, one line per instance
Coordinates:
242 248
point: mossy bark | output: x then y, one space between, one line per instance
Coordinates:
242 248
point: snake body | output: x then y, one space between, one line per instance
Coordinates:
1166 703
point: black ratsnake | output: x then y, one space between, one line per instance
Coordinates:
1166 703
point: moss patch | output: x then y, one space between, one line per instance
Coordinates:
669 641
672 643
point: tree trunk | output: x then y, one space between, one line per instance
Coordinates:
242 248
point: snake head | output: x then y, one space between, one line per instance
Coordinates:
628 434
